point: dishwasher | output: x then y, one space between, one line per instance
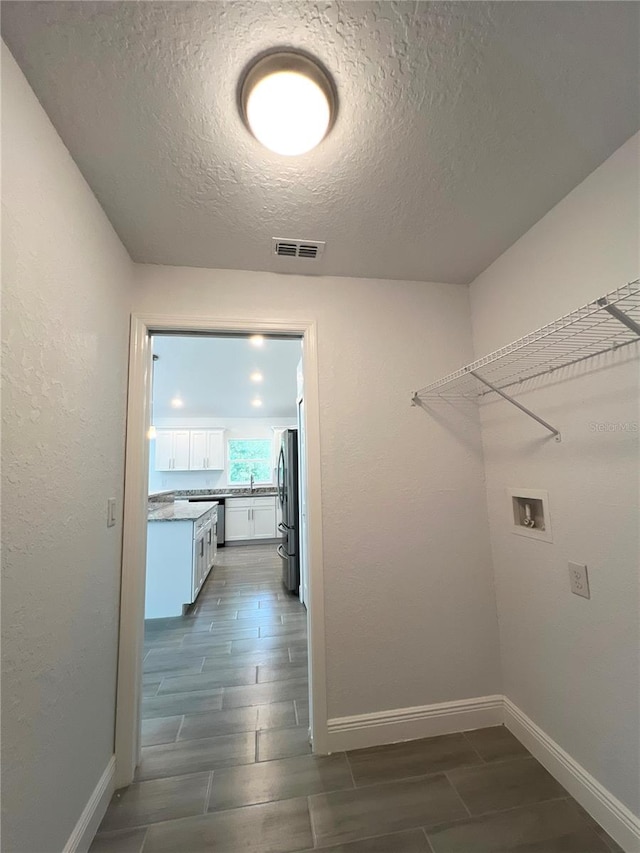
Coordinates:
221 523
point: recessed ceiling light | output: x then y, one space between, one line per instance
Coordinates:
288 102
256 376
256 340
177 403
256 402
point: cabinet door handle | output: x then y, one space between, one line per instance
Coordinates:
248 515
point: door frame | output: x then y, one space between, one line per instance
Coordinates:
134 542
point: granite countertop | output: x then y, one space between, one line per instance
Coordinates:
258 492
180 511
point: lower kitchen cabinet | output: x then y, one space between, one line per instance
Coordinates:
263 516
180 555
250 518
237 519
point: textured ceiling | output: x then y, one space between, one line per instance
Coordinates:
459 125
211 376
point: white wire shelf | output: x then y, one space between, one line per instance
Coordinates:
606 324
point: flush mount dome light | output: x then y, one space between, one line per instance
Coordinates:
288 102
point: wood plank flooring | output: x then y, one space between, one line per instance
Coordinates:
227 767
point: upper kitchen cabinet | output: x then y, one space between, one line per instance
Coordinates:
207 450
189 450
172 450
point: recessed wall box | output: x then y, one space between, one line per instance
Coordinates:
528 513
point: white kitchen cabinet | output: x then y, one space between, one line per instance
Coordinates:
237 519
198 450
189 450
204 551
164 450
250 518
211 544
181 450
199 563
263 517
207 450
172 450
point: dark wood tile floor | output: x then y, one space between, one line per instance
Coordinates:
226 763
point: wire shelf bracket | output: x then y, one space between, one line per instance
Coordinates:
606 324
555 432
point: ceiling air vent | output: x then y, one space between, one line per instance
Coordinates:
309 249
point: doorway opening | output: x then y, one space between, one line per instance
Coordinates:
218 634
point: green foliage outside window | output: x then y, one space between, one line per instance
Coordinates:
249 456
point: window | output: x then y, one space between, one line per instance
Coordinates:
249 456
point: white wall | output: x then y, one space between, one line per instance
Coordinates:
235 428
569 663
410 610
65 328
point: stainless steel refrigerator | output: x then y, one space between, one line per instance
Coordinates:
289 550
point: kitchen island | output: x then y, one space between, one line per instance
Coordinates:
180 510
181 551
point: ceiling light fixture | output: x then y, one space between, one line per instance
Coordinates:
288 102
256 340
256 376
177 403
256 402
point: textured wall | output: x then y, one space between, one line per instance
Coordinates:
410 611
65 278
571 664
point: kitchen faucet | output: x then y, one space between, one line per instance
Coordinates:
251 484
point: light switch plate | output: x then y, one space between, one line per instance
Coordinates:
111 512
579 580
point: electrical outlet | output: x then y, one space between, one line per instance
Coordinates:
579 580
111 512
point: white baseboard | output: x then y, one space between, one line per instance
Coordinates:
619 821
412 723
89 821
